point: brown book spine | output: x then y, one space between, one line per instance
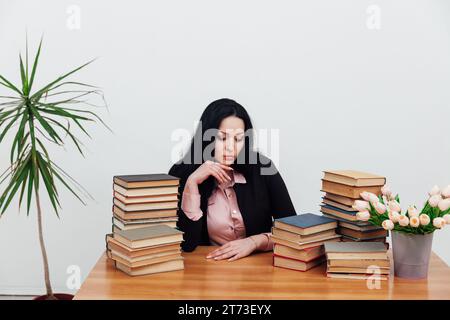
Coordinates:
108 250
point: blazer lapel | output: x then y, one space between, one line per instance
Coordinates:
242 194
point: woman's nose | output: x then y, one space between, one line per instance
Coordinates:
229 145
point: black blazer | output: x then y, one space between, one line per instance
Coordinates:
260 199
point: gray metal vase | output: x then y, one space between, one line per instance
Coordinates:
411 254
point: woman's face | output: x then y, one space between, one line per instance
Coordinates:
230 140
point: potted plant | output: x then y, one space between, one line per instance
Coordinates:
412 230
41 117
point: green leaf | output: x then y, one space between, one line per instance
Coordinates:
9 85
67 186
49 86
75 182
74 139
14 184
61 112
24 183
26 57
5 114
49 184
23 77
18 138
56 138
9 125
65 83
30 187
35 64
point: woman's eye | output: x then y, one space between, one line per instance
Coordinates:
239 139
221 138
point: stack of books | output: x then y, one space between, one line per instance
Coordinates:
145 239
146 250
144 200
341 189
298 240
357 260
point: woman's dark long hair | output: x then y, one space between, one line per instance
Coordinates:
211 118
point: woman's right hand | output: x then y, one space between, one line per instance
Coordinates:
210 168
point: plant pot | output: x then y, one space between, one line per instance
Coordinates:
411 254
58 296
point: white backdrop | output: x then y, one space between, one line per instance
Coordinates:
343 92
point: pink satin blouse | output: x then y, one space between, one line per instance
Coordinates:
224 218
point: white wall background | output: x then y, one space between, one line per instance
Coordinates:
342 95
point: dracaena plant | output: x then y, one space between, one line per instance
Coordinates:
35 119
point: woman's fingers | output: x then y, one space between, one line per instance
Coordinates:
223 251
220 172
235 257
224 175
226 167
219 250
226 255
216 174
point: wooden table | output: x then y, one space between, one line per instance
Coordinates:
253 277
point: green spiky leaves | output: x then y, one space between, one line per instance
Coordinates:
56 113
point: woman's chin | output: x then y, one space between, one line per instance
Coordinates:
227 162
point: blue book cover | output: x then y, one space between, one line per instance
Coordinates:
352 213
305 220
354 247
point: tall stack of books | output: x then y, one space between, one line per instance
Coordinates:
145 239
144 200
341 189
298 240
357 260
146 250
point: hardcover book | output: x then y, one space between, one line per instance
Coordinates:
348 191
355 250
305 224
354 178
146 180
297 265
148 236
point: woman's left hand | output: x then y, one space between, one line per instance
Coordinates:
233 250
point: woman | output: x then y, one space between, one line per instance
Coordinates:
229 197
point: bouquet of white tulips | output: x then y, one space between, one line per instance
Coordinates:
385 211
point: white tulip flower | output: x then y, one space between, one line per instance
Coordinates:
446 217
424 219
413 212
403 220
434 200
414 222
363 215
361 205
446 192
444 204
393 216
387 224
439 223
434 191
